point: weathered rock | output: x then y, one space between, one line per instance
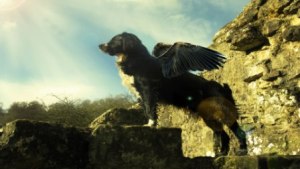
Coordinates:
254 77
273 7
136 147
265 141
265 162
292 33
271 98
292 8
120 116
271 26
197 138
254 73
31 144
264 81
273 75
247 38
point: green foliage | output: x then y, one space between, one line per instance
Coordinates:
70 112
1 115
23 110
1 109
2 120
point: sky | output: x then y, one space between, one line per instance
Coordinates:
50 47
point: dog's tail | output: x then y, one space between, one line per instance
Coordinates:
228 93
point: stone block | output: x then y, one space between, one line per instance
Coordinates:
292 33
120 116
270 27
258 162
247 38
31 144
136 147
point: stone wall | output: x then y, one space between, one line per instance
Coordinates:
262 46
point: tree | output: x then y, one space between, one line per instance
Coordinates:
1 108
66 111
23 110
2 120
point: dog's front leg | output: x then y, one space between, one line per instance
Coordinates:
148 100
150 105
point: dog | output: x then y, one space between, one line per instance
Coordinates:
164 77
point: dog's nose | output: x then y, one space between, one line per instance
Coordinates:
103 47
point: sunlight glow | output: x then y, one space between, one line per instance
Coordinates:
7 5
50 47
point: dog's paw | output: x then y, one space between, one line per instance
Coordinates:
151 123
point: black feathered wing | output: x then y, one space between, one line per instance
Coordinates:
183 57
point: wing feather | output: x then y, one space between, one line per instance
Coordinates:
182 57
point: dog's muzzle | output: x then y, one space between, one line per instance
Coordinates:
103 47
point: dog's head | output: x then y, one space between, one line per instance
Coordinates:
121 44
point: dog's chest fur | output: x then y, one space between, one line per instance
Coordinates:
127 80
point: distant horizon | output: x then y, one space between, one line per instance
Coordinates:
51 47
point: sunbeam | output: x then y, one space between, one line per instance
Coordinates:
51 45
7 5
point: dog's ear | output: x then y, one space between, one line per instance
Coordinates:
130 41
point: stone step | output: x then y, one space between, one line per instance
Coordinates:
136 147
36 145
30 144
258 162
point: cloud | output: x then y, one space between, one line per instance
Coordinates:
6 5
8 25
163 21
167 4
43 91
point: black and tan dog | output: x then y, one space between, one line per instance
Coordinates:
166 79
